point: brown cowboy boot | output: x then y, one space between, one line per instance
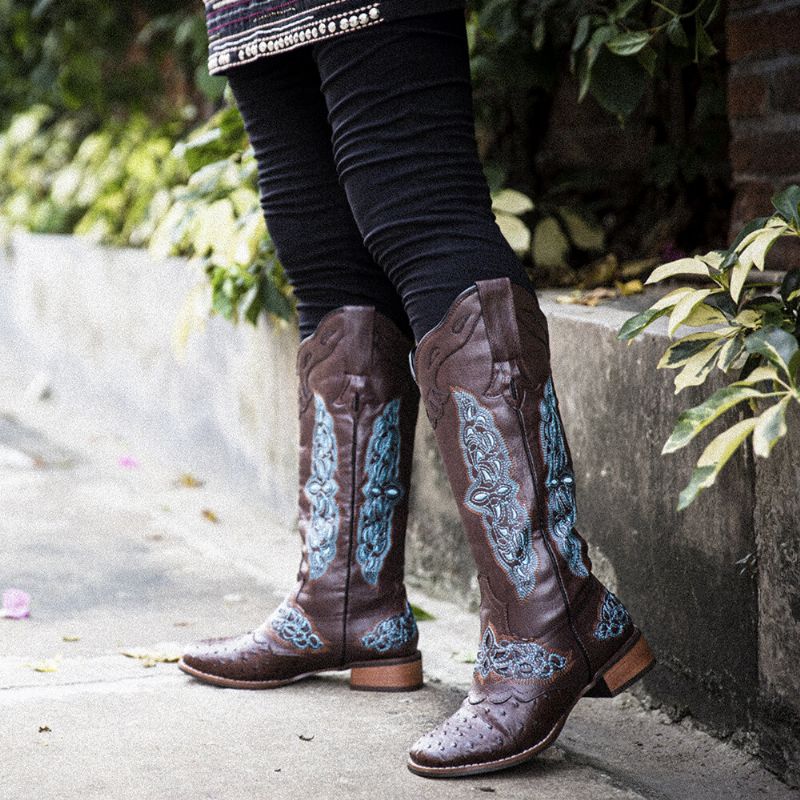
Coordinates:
551 632
358 408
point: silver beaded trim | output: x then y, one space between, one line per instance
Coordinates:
286 34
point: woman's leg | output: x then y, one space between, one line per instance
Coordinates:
357 408
307 212
399 103
400 106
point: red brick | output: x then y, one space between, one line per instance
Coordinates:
786 91
769 154
763 34
748 96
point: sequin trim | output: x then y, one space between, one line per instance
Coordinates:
614 618
255 38
492 493
321 489
560 483
392 633
293 627
516 658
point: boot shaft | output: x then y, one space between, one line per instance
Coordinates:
486 383
357 409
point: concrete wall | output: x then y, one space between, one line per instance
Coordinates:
101 323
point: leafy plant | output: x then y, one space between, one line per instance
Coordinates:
750 327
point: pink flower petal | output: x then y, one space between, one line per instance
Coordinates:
16 604
127 462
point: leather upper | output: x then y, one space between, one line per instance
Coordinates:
357 407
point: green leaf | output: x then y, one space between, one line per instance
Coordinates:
593 50
694 420
629 43
678 353
790 286
697 368
683 266
676 33
581 33
775 344
770 427
787 204
420 614
731 254
703 44
731 352
618 83
635 325
714 458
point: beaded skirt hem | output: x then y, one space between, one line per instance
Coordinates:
241 31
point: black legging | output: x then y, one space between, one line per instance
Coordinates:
369 173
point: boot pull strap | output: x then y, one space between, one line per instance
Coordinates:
499 314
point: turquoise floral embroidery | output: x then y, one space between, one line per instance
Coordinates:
560 483
614 618
392 633
293 627
320 489
382 492
518 659
492 493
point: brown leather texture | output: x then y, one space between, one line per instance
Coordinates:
357 407
548 626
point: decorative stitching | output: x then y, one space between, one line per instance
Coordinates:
321 489
382 492
493 493
286 33
614 618
392 633
293 627
560 483
519 659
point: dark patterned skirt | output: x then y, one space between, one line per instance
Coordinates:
240 31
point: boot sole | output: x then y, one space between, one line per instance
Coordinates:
623 670
391 675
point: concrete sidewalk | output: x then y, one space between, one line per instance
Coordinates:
117 553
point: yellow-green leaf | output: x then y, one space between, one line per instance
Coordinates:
684 307
584 234
550 245
697 368
678 353
694 420
714 458
510 201
516 233
683 266
739 275
756 251
770 426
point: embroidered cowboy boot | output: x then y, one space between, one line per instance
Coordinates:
550 631
348 610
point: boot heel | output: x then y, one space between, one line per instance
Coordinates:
404 676
619 676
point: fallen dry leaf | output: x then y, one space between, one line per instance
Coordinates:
44 729
46 665
163 652
210 515
70 638
189 481
304 738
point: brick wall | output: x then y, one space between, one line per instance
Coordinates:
763 48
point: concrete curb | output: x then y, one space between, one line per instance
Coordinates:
101 323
